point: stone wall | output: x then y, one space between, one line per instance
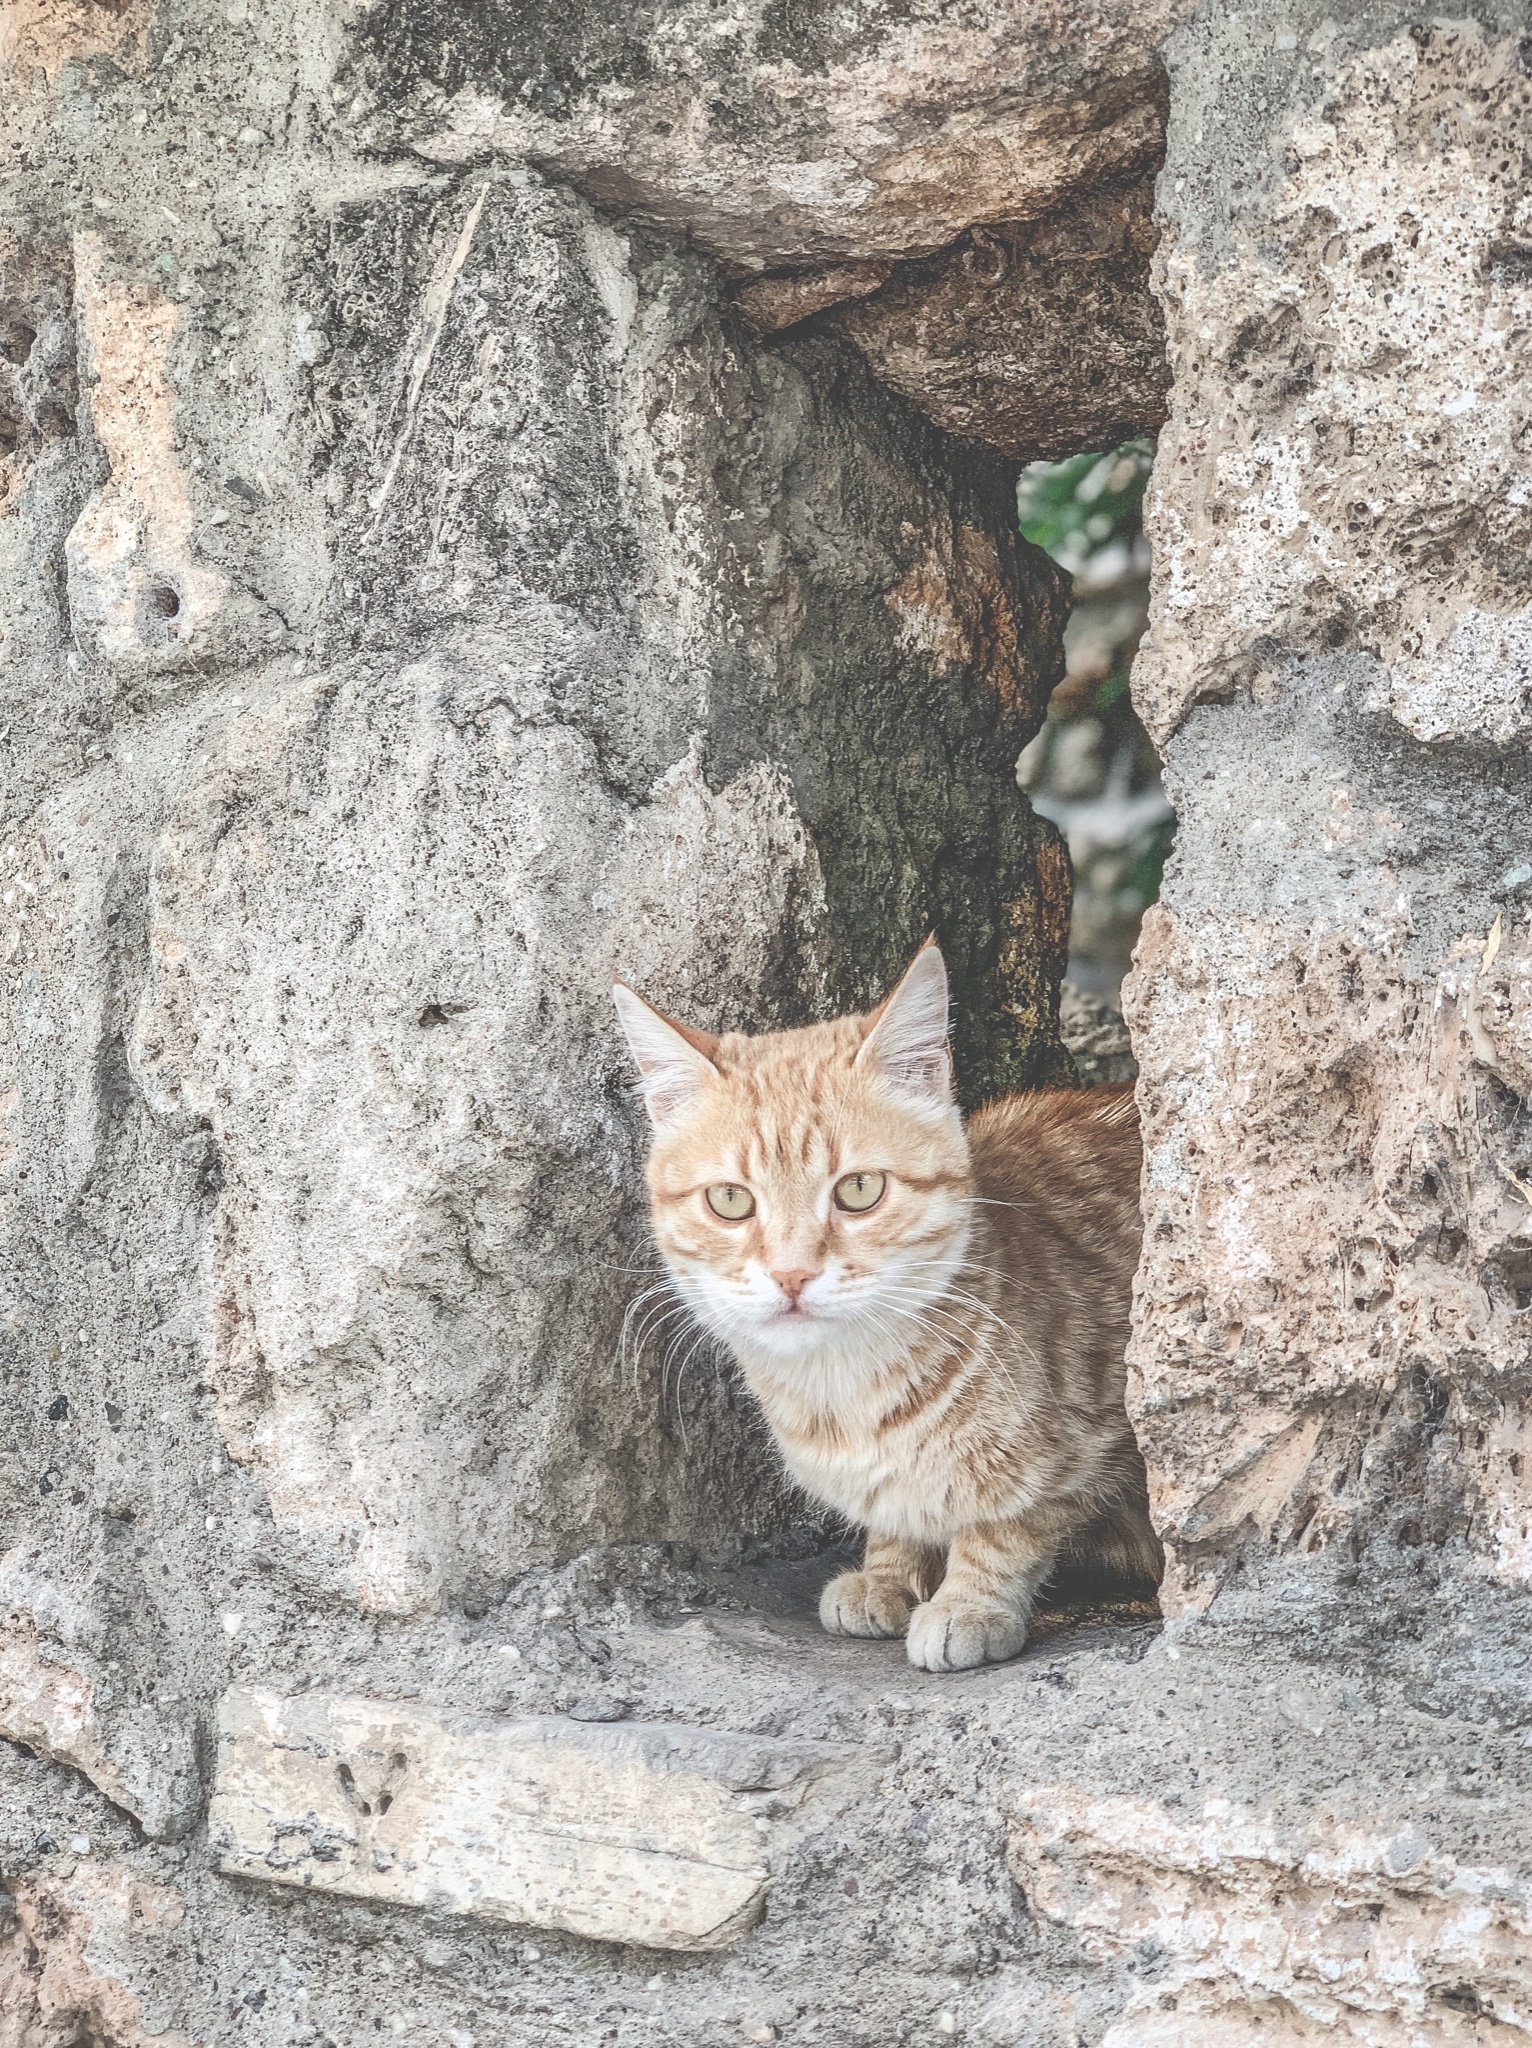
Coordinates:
1332 1003
457 548
425 606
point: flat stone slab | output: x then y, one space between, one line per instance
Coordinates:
643 1832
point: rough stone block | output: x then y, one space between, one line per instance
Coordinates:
58 1702
644 1833
1040 339
779 136
1344 466
63 1970
1332 1008
1279 1935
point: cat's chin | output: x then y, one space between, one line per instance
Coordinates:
795 1336
800 1340
761 1331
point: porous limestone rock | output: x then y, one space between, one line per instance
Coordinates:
1096 1037
1051 1849
55 1983
57 1702
650 1834
1283 1935
821 146
1333 1007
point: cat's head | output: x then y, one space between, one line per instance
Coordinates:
810 1190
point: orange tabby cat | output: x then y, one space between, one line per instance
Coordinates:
932 1318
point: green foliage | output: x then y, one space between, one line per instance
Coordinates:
1077 508
1147 874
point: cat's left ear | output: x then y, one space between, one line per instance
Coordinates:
907 1040
674 1062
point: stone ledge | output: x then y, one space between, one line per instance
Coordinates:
1279 1934
642 1832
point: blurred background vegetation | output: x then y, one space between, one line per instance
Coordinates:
1093 769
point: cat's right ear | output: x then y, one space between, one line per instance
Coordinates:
907 1036
674 1062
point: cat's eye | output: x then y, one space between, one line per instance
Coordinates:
860 1191
730 1202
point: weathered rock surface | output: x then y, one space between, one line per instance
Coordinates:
334 807
423 603
771 304
1264 1933
425 597
776 134
1276 1835
793 140
55 1982
1344 468
1096 1037
1333 1006
1038 339
646 1833
56 1703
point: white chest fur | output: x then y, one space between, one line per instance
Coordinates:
875 1482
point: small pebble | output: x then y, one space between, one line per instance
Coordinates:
232 1623
1406 1852
80 1844
945 2023
1301 1710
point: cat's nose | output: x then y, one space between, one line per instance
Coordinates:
792 1284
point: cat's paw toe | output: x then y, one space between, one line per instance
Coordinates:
957 1636
865 1604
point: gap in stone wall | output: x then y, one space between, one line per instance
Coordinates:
1092 769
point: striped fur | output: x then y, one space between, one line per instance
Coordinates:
950 1376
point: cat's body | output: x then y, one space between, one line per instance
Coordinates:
941 1363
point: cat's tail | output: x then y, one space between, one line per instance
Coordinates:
1118 1543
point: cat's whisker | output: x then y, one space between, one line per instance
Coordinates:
702 1338
927 1307
637 1306
654 1317
661 1290
652 1326
983 1357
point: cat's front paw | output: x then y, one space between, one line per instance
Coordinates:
865 1604
958 1634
